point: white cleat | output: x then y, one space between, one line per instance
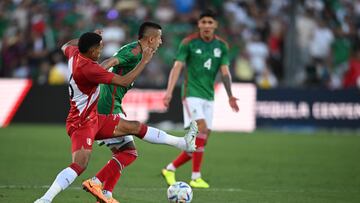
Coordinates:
42 201
190 137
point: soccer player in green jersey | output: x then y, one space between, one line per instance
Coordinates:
204 54
123 148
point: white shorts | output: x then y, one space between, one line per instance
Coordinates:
117 142
195 108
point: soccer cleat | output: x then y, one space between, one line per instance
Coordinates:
190 137
169 176
109 200
112 200
199 183
95 189
42 201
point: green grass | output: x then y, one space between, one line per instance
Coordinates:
265 166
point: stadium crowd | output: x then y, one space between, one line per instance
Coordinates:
327 37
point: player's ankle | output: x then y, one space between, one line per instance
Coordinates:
107 193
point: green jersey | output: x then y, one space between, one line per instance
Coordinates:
203 60
110 97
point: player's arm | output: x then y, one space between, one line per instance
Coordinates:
173 77
226 78
110 62
130 77
73 42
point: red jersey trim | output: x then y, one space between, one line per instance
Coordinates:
190 37
222 40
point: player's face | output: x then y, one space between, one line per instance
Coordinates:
207 26
96 52
155 41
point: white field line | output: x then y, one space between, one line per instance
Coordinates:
230 190
132 189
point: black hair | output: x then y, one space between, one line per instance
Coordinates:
208 13
145 26
88 40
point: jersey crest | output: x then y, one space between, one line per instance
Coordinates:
217 52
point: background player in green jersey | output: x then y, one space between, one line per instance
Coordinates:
204 54
123 148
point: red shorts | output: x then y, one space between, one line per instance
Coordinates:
83 134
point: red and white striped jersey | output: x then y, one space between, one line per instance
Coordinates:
86 75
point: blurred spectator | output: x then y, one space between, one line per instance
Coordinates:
318 71
243 70
326 32
305 26
275 44
258 53
352 76
113 37
266 79
165 13
22 71
184 6
59 73
37 52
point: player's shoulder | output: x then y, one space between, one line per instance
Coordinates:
222 40
132 48
190 38
70 50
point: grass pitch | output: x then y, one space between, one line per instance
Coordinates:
265 166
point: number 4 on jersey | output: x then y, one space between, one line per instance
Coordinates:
207 64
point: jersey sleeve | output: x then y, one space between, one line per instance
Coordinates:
97 74
124 56
70 51
225 56
182 52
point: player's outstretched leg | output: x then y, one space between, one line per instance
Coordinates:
157 136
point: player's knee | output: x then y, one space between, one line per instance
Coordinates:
127 127
126 157
81 158
203 127
204 131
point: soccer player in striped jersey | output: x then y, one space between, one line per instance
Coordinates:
84 124
205 54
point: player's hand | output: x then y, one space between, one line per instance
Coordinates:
98 31
167 100
233 104
147 54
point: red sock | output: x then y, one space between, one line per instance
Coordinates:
110 183
77 168
181 159
108 171
142 132
125 158
198 154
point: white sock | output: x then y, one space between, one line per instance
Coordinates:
107 193
61 182
156 136
195 175
170 167
96 180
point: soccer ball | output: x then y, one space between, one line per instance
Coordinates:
180 192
